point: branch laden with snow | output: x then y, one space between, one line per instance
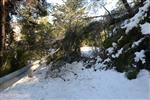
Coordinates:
135 20
140 56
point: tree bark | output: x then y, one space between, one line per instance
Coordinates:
1 24
2 27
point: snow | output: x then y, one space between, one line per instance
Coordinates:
89 51
87 85
80 84
119 52
100 64
145 28
107 60
134 21
55 1
137 42
140 56
114 44
110 50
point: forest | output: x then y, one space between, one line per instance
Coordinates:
27 34
118 31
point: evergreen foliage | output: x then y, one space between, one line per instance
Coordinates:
70 29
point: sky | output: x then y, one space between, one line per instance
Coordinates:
111 4
55 1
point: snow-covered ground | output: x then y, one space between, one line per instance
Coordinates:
86 85
89 51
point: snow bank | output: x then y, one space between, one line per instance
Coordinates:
87 85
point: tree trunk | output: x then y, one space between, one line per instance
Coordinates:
2 27
1 24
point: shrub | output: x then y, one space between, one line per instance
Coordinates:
132 73
125 61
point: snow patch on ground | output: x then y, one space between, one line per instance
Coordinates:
87 85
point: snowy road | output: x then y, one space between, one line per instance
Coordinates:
89 85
